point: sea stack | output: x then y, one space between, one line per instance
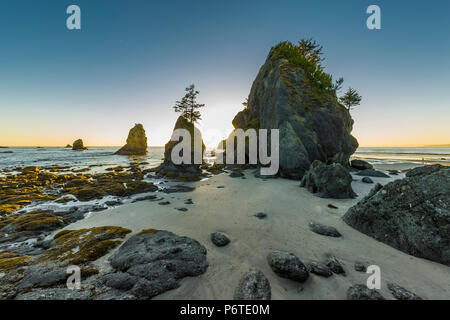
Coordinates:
313 125
185 171
78 145
136 142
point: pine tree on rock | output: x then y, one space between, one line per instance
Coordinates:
188 106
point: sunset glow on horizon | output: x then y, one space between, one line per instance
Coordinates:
129 64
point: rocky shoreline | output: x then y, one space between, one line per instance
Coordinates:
37 270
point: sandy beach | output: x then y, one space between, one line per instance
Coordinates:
289 208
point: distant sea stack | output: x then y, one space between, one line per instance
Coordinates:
289 95
184 171
78 145
136 142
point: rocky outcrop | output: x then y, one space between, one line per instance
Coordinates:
136 142
253 286
410 214
152 262
187 171
286 95
328 181
401 293
78 145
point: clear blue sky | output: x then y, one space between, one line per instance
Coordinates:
132 60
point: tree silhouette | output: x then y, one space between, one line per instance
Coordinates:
188 106
350 99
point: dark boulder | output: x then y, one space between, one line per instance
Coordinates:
152 262
219 239
320 269
328 181
360 164
372 173
287 265
324 230
410 214
367 180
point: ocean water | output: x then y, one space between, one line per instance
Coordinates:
97 158
101 158
404 155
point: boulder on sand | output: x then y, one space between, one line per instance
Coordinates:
410 214
136 142
328 181
78 145
253 286
372 173
187 171
152 262
360 164
312 124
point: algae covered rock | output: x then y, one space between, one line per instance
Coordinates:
84 245
136 142
78 145
410 214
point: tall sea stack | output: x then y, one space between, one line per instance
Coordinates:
185 171
290 95
136 142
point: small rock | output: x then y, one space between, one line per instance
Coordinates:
335 266
164 203
182 209
236 174
253 286
219 239
320 269
287 265
261 215
360 267
324 230
401 293
188 201
361 292
367 180
220 187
